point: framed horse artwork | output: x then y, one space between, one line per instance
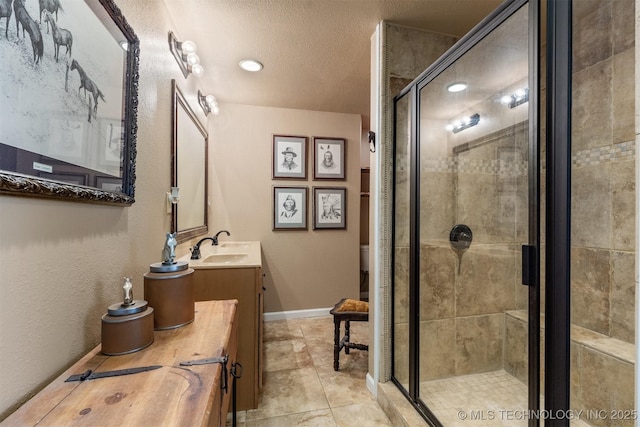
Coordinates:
73 78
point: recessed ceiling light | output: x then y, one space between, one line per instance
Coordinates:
457 87
250 65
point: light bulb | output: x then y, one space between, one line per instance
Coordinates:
215 109
250 65
210 100
520 93
188 47
197 70
193 59
457 87
449 127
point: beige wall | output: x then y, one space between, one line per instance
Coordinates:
62 263
304 269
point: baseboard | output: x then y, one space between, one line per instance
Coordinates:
371 385
296 314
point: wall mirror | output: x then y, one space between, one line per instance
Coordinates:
68 130
189 169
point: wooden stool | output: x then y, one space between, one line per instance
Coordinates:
347 310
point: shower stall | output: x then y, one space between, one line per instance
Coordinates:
475 270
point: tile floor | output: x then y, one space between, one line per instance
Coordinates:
490 399
300 387
487 399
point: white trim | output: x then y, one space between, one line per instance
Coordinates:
374 261
371 385
296 314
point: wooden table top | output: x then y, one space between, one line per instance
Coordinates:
173 395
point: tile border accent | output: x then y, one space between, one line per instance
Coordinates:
621 151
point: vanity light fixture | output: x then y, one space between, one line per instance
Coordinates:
208 103
456 87
518 97
250 65
185 54
464 123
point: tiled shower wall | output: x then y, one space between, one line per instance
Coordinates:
409 52
603 172
464 297
463 328
463 300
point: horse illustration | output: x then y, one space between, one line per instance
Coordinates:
28 24
17 5
51 6
61 37
169 251
5 12
88 85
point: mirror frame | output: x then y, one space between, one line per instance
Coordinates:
179 101
20 184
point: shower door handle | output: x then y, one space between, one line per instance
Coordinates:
530 265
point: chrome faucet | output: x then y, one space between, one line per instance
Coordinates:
215 238
195 251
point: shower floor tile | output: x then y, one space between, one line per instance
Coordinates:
489 399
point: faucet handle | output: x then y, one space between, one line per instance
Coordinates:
195 252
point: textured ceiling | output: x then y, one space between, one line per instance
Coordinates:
316 53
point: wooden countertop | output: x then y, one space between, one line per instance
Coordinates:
173 395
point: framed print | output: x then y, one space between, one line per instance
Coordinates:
289 157
290 208
329 208
76 113
108 183
70 178
328 158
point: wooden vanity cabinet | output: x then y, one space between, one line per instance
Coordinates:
171 395
244 285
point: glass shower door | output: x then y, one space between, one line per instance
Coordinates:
473 181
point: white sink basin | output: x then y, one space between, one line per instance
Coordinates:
234 245
229 254
224 258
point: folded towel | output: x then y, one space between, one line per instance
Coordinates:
353 305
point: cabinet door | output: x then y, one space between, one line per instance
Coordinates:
232 350
239 284
260 289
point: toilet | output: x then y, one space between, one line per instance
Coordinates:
364 258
